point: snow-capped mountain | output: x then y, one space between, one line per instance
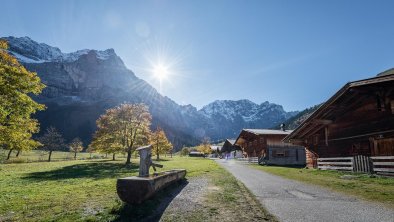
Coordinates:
81 85
28 51
229 116
245 109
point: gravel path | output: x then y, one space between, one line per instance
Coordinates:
189 199
289 200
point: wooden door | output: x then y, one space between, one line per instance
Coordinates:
384 147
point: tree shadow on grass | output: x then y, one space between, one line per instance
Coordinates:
94 170
152 209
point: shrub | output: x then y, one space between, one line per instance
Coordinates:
184 151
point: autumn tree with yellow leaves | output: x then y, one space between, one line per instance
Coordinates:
123 129
160 143
16 106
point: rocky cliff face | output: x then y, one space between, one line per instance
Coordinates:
83 84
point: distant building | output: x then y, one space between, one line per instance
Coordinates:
230 150
196 154
357 120
269 147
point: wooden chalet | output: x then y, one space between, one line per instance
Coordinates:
268 146
230 149
357 120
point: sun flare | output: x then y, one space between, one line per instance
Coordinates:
160 72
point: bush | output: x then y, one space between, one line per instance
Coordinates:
184 151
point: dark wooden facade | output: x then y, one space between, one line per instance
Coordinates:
267 145
357 120
229 146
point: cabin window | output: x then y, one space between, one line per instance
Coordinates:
280 153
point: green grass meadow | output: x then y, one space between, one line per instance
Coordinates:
85 190
375 188
41 156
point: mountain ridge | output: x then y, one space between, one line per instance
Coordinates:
82 84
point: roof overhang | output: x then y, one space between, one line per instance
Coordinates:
322 117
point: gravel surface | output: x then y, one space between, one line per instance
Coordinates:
290 200
189 199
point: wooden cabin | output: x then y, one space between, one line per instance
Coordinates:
357 120
268 146
230 150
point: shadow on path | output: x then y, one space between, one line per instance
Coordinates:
95 170
152 209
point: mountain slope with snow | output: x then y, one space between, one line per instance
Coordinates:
81 85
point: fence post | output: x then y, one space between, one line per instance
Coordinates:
370 163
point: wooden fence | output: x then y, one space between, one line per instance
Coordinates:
337 163
249 160
383 165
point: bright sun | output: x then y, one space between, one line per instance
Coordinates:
160 72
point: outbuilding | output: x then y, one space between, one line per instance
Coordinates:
267 145
230 150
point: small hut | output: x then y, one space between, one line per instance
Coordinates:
268 146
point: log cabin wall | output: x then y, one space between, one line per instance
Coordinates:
357 120
256 145
311 158
362 131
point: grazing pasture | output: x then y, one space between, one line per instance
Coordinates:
85 190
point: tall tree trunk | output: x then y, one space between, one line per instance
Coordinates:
17 154
75 155
9 154
106 155
113 156
49 157
157 152
128 156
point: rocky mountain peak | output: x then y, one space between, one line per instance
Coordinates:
27 50
81 85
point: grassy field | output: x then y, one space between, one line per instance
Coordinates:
84 190
377 189
40 156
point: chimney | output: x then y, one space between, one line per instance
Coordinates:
283 127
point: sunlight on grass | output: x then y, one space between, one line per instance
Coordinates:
378 189
75 190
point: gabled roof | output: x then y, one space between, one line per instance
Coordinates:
330 107
268 131
231 141
257 132
229 145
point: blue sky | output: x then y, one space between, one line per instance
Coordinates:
294 53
